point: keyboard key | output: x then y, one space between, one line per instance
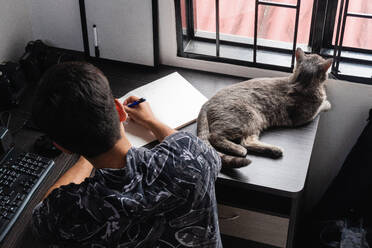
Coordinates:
17 178
10 215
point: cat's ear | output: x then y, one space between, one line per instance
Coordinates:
299 54
327 64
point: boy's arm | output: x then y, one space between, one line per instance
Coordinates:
76 174
143 115
160 130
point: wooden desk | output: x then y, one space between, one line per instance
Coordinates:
259 203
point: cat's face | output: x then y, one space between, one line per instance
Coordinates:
311 68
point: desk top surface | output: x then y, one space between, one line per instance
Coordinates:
285 176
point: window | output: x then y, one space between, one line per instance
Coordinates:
351 42
265 34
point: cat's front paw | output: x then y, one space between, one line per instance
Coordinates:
275 152
326 105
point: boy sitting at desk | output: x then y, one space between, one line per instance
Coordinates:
163 197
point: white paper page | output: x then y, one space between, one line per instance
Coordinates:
173 100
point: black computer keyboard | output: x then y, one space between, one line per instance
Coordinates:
20 175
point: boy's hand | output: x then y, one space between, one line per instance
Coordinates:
141 113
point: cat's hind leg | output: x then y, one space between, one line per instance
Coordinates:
224 145
252 144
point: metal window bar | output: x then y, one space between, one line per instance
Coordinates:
341 33
217 28
190 18
318 19
183 39
180 47
337 52
276 4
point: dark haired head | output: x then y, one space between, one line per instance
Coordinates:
75 107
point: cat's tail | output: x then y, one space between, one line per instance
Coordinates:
203 133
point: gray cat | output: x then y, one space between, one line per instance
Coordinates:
232 120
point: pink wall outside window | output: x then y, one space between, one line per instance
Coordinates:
276 23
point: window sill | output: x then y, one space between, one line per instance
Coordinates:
238 55
354 66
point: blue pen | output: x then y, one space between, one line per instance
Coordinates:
135 103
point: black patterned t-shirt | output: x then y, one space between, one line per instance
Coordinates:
163 197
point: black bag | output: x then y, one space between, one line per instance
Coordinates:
38 57
12 85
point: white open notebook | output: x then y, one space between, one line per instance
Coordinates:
173 100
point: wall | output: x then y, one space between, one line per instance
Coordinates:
15 29
124 27
126 33
57 23
338 129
